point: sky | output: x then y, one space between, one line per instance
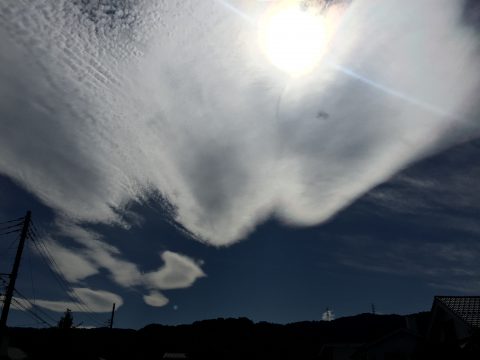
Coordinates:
177 166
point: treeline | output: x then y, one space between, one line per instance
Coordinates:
208 339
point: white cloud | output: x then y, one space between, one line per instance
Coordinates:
17 303
105 104
74 266
97 301
102 254
92 254
178 272
155 298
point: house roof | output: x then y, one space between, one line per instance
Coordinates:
466 308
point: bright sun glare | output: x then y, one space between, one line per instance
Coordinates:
293 40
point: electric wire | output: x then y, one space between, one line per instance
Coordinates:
34 306
10 221
11 226
31 313
32 284
10 246
10 232
60 278
49 260
29 310
62 282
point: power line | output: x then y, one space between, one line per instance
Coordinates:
11 226
32 313
10 246
32 232
60 278
34 306
31 273
13 277
7 297
5 230
14 220
34 229
10 232
30 310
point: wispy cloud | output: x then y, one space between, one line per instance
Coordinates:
74 266
99 301
448 265
105 104
93 301
92 253
442 192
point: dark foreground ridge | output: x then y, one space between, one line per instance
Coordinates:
232 339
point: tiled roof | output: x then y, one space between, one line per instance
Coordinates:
465 307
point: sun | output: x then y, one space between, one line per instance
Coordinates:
294 40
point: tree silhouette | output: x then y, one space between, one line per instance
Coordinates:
66 321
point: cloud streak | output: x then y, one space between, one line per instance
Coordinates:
93 301
97 301
435 192
442 264
104 104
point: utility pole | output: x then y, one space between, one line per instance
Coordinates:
113 313
373 309
13 278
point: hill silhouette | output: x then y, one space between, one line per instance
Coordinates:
213 339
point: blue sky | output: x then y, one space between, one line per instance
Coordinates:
372 252
176 166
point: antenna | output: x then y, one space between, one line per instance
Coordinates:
328 315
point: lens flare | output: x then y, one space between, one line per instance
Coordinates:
294 40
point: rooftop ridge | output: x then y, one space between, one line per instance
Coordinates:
467 308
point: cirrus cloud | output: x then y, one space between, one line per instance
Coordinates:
105 103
